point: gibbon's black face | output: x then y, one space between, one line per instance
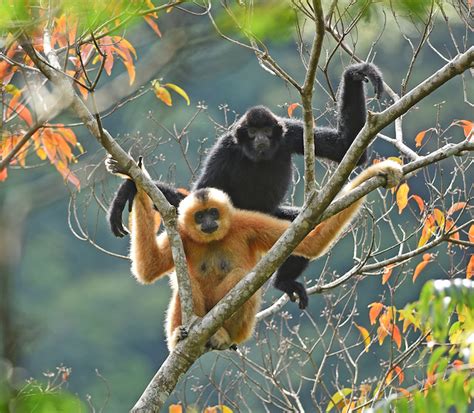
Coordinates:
259 134
207 219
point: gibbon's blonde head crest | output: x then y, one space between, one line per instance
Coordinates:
203 199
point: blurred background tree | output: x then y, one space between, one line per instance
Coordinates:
67 297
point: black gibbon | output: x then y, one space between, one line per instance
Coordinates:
222 244
252 163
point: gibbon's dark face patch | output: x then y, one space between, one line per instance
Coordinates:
259 134
207 219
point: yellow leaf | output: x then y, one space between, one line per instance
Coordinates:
402 197
337 398
439 217
179 91
419 138
162 94
41 154
395 159
225 409
365 336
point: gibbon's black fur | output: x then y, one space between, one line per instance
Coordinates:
252 163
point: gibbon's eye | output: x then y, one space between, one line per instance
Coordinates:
198 216
252 132
268 130
214 213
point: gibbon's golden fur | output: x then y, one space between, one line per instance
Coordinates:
222 244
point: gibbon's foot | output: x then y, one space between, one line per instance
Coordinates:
295 290
220 340
365 72
179 334
392 171
113 167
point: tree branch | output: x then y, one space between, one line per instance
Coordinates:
307 101
168 212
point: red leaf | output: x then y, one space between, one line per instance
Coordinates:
470 268
291 108
397 337
3 174
419 202
375 309
387 272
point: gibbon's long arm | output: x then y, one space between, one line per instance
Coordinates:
126 193
151 255
266 230
352 112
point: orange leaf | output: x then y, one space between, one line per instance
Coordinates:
456 207
420 267
381 333
428 230
402 197
467 126
3 174
457 364
419 202
375 309
397 337
471 233
130 69
291 108
470 268
400 374
419 138
153 25
162 94
365 336
175 408
387 272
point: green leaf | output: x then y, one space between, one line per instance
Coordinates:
435 357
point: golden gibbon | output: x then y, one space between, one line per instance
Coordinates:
222 244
